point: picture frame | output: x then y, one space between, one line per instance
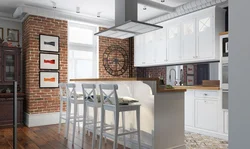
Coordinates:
1 33
12 35
190 69
48 79
49 61
49 43
190 80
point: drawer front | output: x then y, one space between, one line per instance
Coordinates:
206 94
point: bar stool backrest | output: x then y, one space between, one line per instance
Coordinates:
109 94
71 91
89 93
63 94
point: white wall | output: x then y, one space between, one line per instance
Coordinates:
239 72
214 71
11 25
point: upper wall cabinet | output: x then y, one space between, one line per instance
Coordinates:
188 39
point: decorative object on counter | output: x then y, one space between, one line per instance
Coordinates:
49 79
115 60
1 34
12 35
8 90
49 43
190 80
49 61
190 69
161 80
181 77
169 87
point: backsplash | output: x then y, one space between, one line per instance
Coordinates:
152 72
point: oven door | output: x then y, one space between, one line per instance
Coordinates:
225 76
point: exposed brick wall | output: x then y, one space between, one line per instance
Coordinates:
104 43
152 72
42 100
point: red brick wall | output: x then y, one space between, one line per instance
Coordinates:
42 100
104 43
152 72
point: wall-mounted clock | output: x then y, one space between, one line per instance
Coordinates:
115 60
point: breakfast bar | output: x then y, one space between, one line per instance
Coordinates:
162 111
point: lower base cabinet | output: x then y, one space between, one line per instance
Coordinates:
6 114
226 122
206 114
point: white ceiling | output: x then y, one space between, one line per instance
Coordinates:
89 7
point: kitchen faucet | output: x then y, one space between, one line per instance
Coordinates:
170 78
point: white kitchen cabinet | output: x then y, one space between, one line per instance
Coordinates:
205 36
139 57
188 38
160 44
226 122
189 108
174 42
149 48
206 114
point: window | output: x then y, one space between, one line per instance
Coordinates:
82 53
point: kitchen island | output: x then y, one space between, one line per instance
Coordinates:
162 111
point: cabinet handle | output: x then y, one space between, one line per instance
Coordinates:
165 60
205 94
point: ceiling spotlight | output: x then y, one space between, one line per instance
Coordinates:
54 4
144 8
162 1
98 14
77 9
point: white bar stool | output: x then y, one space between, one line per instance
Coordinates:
73 98
90 100
63 99
110 102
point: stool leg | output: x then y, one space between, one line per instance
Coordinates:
68 120
84 124
74 124
94 128
102 124
78 124
60 115
138 127
116 120
123 127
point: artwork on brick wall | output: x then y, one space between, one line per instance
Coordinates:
49 79
13 35
49 43
49 61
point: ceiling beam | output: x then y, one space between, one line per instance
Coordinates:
156 5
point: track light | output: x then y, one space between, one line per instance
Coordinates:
77 9
54 4
162 1
144 8
98 14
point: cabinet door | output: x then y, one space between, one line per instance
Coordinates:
160 42
206 114
149 48
10 70
174 43
189 108
139 50
226 122
205 37
188 40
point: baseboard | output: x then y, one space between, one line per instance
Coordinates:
42 119
207 133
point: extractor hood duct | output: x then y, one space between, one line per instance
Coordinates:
126 24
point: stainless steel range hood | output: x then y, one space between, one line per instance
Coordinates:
126 24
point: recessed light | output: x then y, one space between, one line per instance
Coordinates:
144 8
162 1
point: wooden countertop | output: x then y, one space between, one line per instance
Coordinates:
197 87
159 89
8 95
223 33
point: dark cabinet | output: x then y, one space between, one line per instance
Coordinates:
10 61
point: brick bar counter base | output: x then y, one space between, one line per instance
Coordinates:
42 105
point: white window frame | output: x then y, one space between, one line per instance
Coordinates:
85 47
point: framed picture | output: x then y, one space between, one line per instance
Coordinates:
1 33
190 80
49 43
49 79
13 35
49 61
190 69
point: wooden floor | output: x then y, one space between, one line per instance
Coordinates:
45 137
